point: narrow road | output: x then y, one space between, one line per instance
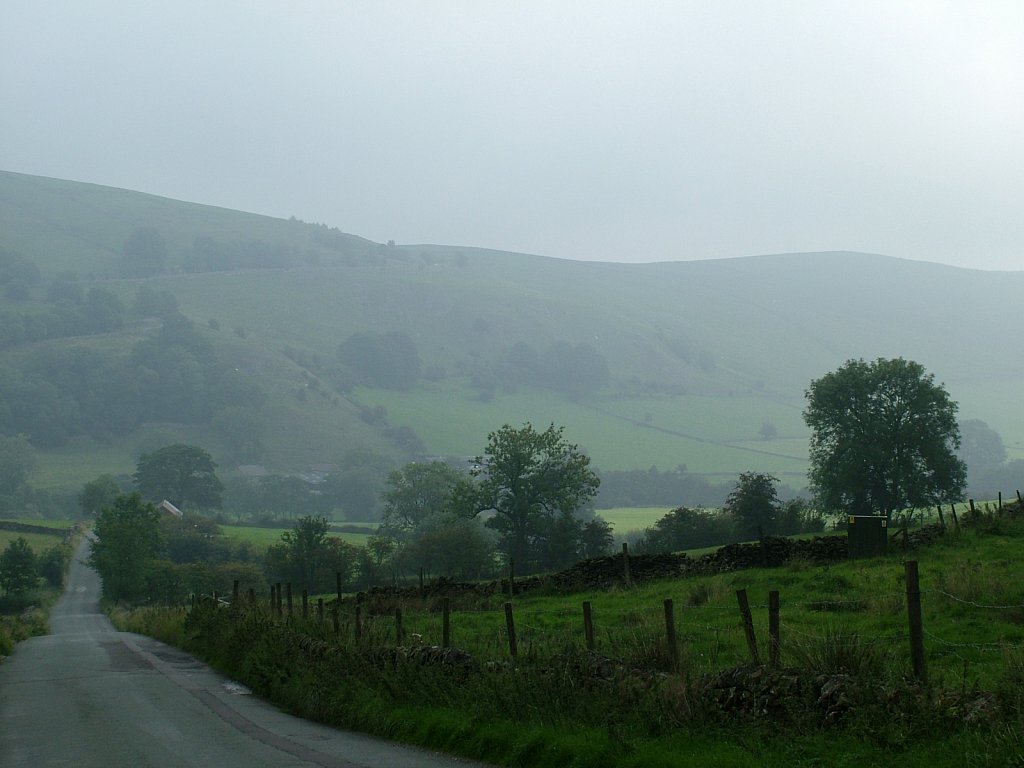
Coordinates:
89 696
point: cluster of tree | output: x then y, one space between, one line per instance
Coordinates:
210 255
21 569
70 310
350 491
988 470
145 555
654 488
884 437
59 393
309 559
752 510
575 370
18 275
387 360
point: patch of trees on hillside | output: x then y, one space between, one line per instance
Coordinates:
655 488
58 393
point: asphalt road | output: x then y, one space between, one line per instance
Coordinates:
89 696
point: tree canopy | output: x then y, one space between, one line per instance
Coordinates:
754 503
884 438
18 571
127 541
182 474
528 479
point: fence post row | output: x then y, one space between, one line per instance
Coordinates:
626 576
748 625
446 623
774 641
670 634
914 618
510 626
588 625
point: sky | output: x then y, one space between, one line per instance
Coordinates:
625 131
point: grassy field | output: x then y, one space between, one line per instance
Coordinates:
847 619
616 433
39 542
626 519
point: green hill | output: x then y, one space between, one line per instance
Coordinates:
644 364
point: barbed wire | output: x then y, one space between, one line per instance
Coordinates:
971 603
1001 646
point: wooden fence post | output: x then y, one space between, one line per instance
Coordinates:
956 520
320 609
305 604
774 643
359 623
252 597
588 625
280 604
446 623
1019 499
748 625
234 592
670 634
914 617
399 631
942 520
510 626
627 577
1000 500
288 597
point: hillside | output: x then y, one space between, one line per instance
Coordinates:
644 364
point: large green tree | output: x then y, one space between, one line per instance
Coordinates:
126 545
527 480
184 475
884 438
754 503
18 568
419 491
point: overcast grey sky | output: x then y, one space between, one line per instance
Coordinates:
617 131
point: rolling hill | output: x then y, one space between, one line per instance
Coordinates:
645 365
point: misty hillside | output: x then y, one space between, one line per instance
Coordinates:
306 344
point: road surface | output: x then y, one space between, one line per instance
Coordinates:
89 696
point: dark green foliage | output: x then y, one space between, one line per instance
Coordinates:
389 360
18 568
127 542
685 528
530 480
754 504
53 564
418 491
184 475
653 487
444 544
17 458
596 538
309 559
884 438
97 494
